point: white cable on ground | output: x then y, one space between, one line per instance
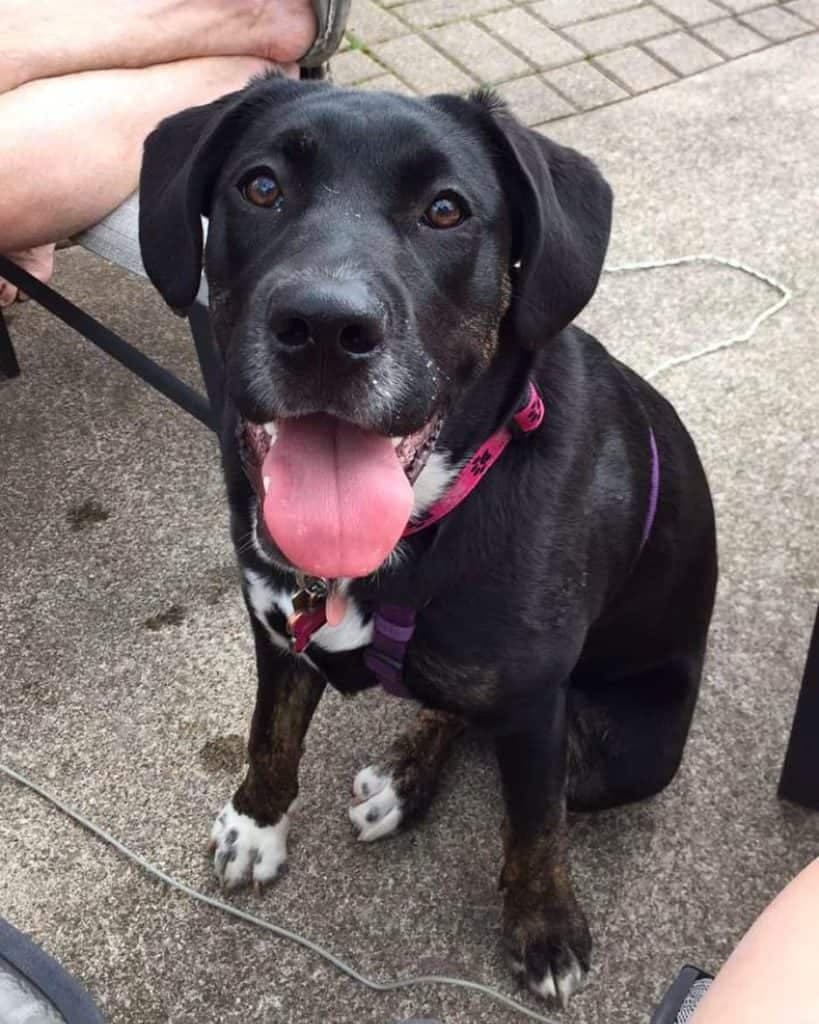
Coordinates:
785 297
301 940
275 929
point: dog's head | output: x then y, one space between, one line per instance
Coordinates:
366 256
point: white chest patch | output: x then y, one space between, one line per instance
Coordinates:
351 633
265 598
433 481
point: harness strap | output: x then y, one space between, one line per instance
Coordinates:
654 492
393 627
394 624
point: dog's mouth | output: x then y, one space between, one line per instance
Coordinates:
334 498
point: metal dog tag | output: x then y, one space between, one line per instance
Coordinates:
313 592
309 611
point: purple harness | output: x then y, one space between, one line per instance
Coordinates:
393 627
394 624
654 493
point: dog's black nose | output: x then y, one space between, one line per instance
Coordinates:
341 318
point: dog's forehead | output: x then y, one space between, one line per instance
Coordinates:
372 132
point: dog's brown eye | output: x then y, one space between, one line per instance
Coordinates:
447 211
261 189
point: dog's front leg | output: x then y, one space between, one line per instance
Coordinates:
249 836
545 932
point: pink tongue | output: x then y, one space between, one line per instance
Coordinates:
337 500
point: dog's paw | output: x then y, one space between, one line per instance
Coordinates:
554 975
551 959
244 851
377 809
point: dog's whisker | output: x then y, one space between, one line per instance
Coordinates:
245 545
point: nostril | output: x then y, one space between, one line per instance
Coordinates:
358 339
292 332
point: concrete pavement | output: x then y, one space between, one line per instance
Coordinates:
552 58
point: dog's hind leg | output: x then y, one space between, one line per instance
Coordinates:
627 735
398 790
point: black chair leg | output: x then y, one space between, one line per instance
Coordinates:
800 774
9 367
210 360
131 358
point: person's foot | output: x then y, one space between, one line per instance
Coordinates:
39 262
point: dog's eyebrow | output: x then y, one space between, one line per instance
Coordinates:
297 143
421 167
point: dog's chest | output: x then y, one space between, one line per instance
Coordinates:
272 606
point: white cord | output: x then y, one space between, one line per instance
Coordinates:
785 297
275 929
301 940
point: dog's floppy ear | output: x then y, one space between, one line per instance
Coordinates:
561 207
181 160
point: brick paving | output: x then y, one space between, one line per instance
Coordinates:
683 54
552 58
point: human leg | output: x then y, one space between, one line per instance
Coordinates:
771 975
93 35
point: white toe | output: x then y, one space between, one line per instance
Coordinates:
368 782
569 981
560 985
545 988
245 851
377 811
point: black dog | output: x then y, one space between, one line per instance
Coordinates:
387 275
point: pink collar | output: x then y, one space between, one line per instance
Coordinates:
524 421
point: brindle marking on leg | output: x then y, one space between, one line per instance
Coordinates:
284 707
545 932
416 758
399 790
546 936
